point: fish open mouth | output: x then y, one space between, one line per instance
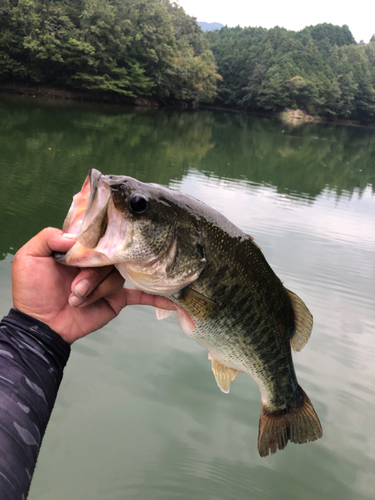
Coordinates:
105 233
94 218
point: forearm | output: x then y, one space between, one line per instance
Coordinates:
32 360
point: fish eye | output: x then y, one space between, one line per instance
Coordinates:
138 204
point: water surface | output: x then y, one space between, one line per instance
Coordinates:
139 415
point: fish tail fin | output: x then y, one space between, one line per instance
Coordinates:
298 425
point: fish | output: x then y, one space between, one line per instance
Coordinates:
227 297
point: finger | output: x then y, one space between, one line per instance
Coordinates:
89 279
131 296
46 242
137 297
111 284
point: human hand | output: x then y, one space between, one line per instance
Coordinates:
71 301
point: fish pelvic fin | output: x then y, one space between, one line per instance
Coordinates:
223 374
162 313
303 323
298 425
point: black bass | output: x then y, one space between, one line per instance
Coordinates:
228 298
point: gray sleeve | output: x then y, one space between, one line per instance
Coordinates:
32 360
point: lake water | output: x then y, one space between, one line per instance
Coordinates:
139 415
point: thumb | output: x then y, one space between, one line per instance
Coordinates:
46 242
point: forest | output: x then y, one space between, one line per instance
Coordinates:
320 70
148 48
153 49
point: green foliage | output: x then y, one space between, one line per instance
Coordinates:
320 70
128 47
328 35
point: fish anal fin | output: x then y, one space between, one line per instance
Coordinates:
223 374
303 323
162 313
298 425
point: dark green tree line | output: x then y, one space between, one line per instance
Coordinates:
320 70
129 47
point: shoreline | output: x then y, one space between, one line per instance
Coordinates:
289 116
63 93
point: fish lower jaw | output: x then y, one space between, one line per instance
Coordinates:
152 278
81 256
146 281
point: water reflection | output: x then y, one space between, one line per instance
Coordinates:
348 218
47 148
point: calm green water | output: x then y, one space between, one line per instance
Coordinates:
139 415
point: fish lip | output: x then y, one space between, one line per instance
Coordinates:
82 201
95 218
59 257
87 211
96 206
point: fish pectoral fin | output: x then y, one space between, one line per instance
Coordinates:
199 296
223 374
303 322
162 313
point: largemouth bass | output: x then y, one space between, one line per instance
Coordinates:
228 298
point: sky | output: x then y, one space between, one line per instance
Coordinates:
290 14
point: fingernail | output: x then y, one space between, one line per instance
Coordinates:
70 236
82 288
75 301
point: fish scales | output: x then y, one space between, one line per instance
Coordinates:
228 298
239 328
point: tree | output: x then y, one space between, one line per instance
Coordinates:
128 47
320 70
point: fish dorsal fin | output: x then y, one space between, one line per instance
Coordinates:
303 323
223 374
252 240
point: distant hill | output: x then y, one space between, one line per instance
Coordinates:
320 70
210 26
